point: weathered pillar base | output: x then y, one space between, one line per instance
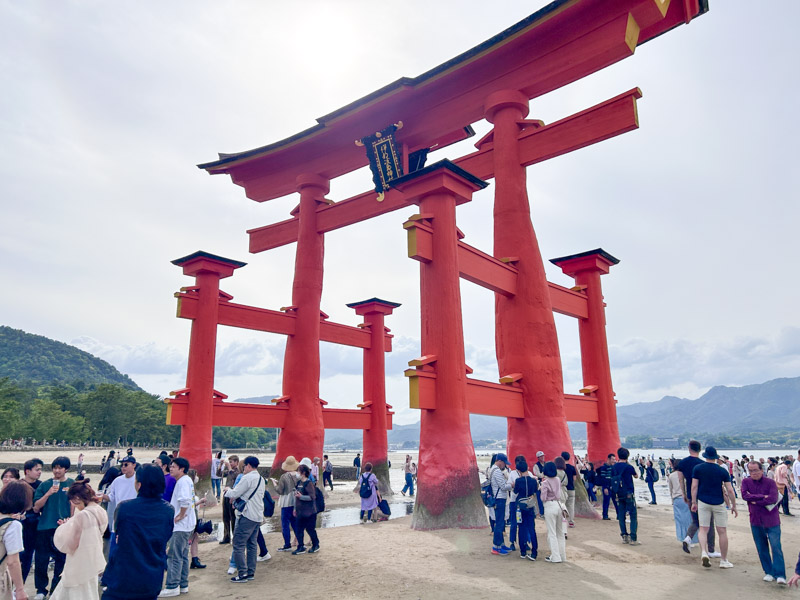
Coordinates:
465 510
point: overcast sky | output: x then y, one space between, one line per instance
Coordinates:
107 107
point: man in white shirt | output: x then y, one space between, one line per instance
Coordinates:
185 521
121 489
796 471
250 489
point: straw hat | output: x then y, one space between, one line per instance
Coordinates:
290 464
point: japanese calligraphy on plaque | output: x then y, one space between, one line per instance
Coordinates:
385 157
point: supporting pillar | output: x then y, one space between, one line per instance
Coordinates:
304 433
207 269
586 268
525 332
376 446
448 493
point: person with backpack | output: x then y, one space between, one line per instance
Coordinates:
651 476
327 472
285 489
499 478
622 476
368 491
15 498
305 510
604 481
525 487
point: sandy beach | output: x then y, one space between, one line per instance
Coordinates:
388 559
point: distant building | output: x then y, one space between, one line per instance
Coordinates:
764 445
666 442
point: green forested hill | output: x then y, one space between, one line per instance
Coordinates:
31 359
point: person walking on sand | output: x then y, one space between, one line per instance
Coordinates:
572 474
783 474
680 510
327 472
357 464
761 495
626 499
651 477
81 539
538 472
368 491
554 514
33 471
409 486
121 489
286 502
230 471
685 468
711 491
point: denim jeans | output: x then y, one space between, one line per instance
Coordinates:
626 503
608 497
216 486
409 484
245 541
766 538
512 522
526 534
499 522
590 491
288 524
652 491
539 500
178 560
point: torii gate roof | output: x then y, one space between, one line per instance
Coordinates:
561 43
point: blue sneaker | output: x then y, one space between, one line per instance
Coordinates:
501 550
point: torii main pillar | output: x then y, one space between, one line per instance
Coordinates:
304 433
375 445
525 332
449 489
586 268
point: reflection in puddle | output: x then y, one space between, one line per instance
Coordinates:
342 517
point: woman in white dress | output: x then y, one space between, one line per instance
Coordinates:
81 539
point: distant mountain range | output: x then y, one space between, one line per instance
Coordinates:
29 359
751 408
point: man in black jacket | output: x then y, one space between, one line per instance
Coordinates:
604 480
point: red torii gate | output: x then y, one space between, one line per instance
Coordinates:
561 43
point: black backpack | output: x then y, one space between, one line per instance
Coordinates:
269 503
365 491
615 483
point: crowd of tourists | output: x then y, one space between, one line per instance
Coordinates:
704 488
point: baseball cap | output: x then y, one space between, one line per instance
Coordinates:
129 459
539 453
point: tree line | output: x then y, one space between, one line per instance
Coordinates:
786 438
105 412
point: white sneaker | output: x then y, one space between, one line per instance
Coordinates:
185 590
231 570
267 556
715 555
169 593
724 564
769 577
39 597
705 560
781 580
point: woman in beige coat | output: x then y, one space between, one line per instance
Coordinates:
81 539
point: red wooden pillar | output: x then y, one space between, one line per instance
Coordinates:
376 447
525 332
207 269
304 433
448 494
586 268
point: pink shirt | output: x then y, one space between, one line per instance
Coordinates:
551 489
782 475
